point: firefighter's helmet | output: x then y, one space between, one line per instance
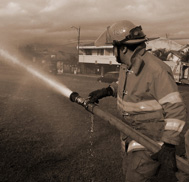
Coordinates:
122 32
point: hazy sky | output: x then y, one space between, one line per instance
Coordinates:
50 20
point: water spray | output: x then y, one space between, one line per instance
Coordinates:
94 109
54 84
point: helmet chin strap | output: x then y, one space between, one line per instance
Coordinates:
124 51
117 46
117 53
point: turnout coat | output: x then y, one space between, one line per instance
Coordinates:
148 99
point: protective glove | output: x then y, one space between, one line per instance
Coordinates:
166 156
99 94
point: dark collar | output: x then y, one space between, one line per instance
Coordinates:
137 62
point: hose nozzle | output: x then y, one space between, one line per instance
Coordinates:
74 97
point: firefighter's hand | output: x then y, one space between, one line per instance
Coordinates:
166 156
99 94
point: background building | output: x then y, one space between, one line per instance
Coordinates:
97 60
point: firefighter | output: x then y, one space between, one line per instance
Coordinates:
147 99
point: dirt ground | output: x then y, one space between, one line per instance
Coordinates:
45 137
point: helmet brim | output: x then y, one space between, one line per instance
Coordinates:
135 41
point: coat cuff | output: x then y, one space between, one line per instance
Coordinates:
171 137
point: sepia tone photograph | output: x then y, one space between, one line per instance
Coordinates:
94 91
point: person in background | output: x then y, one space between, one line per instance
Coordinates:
147 99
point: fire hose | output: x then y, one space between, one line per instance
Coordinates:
148 143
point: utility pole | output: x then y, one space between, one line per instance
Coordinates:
78 40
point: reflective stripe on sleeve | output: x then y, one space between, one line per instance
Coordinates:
174 124
133 146
151 105
172 98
